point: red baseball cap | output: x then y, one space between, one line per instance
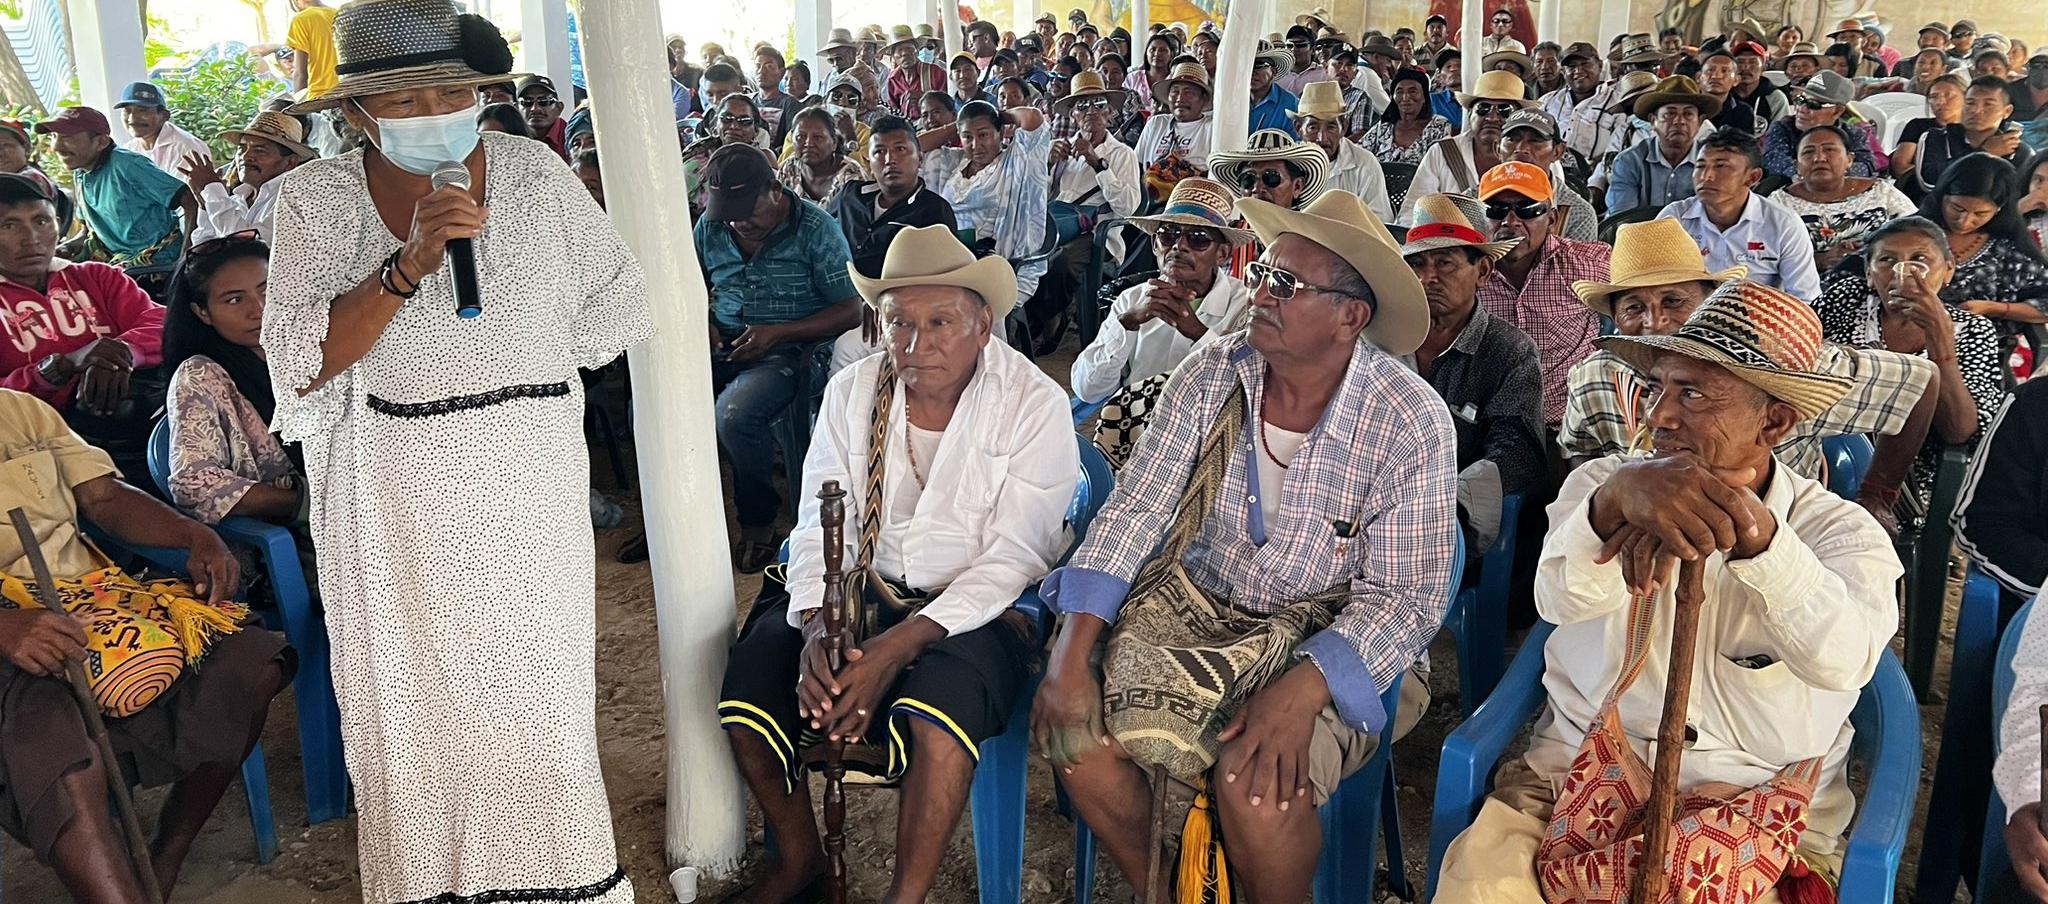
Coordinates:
76 121
1749 47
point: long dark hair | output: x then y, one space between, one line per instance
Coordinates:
1981 175
186 336
1393 114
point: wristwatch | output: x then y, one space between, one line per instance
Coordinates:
54 369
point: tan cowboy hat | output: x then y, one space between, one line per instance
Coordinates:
839 39
278 128
1319 15
1186 74
1677 89
398 45
1628 88
1639 48
873 34
1513 56
1085 84
1199 202
1344 226
1447 221
1650 253
1330 35
1272 144
933 256
1322 100
1808 50
1497 85
1767 337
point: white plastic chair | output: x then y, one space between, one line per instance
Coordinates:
1897 108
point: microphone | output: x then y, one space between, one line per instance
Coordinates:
461 255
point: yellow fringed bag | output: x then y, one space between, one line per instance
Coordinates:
139 636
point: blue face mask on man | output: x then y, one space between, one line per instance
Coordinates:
928 56
418 144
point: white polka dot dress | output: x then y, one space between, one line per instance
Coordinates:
451 517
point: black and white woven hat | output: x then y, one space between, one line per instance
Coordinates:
398 45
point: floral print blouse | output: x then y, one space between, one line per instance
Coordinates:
1380 141
220 446
1850 221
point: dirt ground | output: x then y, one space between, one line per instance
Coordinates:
317 865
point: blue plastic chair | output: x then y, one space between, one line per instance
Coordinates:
995 802
320 752
255 775
1963 771
1995 860
1085 410
1478 618
1848 458
1887 721
1348 864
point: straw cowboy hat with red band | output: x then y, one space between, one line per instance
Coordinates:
1446 221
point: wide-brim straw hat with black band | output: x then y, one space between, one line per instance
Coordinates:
1274 145
1447 221
281 129
1765 336
1497 86
1344 226
1650 253
1183 74
1201 203
400 45
933 256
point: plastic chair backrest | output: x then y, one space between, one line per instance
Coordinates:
158 455
1894 109
1848 457
1993 861
1092 491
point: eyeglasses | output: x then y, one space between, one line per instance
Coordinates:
1199 240
1527 210
1493 109
531 103
1503 21
215 246
1813 104
1284 285
1249 180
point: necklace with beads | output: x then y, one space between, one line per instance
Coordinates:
916 471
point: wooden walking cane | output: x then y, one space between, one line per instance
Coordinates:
1662 813
832 516
1155 878
2043 811
89 708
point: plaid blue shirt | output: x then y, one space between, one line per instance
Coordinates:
1381 460
799 271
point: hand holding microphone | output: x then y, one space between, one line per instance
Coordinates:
446 220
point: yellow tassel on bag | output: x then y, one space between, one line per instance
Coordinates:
1204 873
197 623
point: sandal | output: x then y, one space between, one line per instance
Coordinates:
751 556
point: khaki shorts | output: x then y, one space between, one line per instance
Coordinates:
1337 750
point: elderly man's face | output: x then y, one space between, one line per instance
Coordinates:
143 121
1808 112
1186 101
1676 125
1262 76
1318 317
983 43
1671 44
1450 279
79 151
769 210
1582 75
935 335
1705 409
1717 76
263 160
1488 116
28 240
1271 181
1530 146
1323 133
1657 310
1188 254
966 80
1749 68
543 108
1547 66
1513 216
841 58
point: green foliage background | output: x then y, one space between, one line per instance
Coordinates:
210 98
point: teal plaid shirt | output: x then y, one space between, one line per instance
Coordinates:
799 271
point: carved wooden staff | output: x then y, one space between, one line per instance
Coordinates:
89 708
832 516
1653 878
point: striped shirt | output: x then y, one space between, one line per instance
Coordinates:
1608 401
1370 501
1006 200
1545 307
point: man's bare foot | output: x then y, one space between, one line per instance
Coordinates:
800 883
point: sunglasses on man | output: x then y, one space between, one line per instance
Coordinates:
1498 211
1091 105
1493 109
1250 180
1813 105
1284 285
1198 240
532 103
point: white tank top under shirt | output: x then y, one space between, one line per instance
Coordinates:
1276 453
902 504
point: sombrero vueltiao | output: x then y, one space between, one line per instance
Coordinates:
1199 202
1273 144
399 45
1765 336
1341 224
933 256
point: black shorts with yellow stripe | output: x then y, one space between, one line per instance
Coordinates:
966 685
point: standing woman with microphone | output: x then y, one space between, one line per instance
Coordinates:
447 466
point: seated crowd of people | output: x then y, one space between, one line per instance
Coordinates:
1635 289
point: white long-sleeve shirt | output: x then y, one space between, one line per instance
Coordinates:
2018 773
1163 136
1357 171
1819 603
1121 185
173 144
1155 347
223 212
991 517
1437 173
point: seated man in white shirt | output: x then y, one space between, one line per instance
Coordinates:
1321 120
977 463
1098 176
2018 771
1154 326
1454 165
270 146
1798 609
1735 226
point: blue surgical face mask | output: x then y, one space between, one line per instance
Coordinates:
417 144
928 56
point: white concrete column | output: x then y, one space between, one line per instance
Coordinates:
544 42
1474 17
1141 28
1233 98
1021 14
106 37
1614 20
952 30
915 11
1550 21
679 489
813 26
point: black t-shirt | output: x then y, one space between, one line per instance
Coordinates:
2023 106
1940 146
1918 128
868 235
